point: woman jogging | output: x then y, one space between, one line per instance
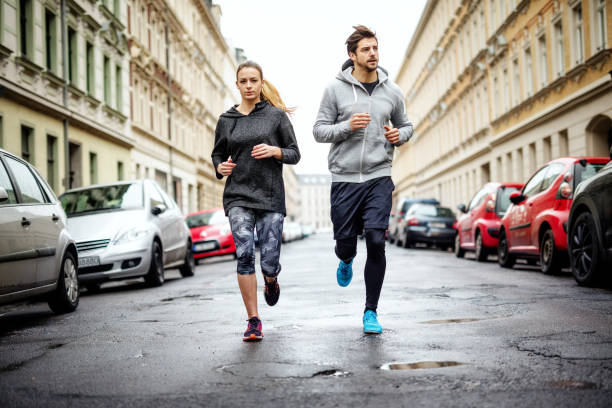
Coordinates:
252 141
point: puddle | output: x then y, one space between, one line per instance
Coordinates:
420 365
281 370
331 373
571 384
171 299
463 320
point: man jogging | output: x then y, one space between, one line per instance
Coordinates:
354 117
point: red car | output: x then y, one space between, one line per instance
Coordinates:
535 226
210 233
478 227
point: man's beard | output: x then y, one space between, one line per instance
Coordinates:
366 68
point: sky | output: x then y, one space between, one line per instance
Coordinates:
300 46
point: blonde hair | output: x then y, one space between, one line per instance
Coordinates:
269 93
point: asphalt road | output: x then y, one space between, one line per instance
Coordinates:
460 333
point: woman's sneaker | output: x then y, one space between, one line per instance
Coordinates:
344 274
370 323
271 292
253 331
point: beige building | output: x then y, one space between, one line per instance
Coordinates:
314 201
179 66
292 193
497 88
84 134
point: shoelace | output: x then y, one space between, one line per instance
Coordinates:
253 324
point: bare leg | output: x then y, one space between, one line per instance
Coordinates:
248 289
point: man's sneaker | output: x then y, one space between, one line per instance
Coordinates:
271 292
344 274
370 323
253 331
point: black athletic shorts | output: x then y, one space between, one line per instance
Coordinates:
355 206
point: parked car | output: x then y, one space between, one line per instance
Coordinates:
292 231
428 223
125 230
535 226
397 217
211 234
590 228
37 254
478 226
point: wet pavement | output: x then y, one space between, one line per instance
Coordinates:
456 333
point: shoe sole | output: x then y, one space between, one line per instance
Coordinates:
253 337
372 332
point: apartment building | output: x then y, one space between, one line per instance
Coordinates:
497 88
314 201
63 104
292 193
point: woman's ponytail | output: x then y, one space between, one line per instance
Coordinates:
268 93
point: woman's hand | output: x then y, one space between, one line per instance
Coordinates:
226 167
263 151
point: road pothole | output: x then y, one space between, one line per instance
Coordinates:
281 370
420 365
463 320
171 299
331 373
572 384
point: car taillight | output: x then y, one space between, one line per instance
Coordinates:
565 190
490 206
413 221
455 224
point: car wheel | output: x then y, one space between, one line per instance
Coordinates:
550 258
406 242
65 298
188 267
585 257
155 277
481 251
504 257
459 252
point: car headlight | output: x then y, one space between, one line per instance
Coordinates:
131 234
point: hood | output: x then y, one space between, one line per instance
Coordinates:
104 225
346 73
233 112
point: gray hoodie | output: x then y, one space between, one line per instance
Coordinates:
364 154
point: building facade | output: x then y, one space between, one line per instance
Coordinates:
497 88
179 65
292 193
63 103
314 201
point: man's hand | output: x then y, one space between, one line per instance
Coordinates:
392 135
263 151
359 121
226 167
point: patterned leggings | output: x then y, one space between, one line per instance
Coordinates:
269 231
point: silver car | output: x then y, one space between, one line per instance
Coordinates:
37 254
125 230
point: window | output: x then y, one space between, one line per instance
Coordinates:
533 185
27 143
26 28
50 41
118 88
528 72
543 66
93 168
155 196
478 199
90 67
52 161
516 83
30 190
120 171
559 53
496 105
506 79
107 73
553 171
72 56
578 34
5 183
600 25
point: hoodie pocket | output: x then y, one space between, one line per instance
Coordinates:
345 157
378 153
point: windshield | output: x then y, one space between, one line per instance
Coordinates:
208 218
118 197
503 199
432 211
588 171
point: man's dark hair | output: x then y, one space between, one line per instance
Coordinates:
359 34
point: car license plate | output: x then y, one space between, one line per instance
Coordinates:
89 261
437 224
205 246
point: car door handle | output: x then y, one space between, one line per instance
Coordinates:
25 222
54 217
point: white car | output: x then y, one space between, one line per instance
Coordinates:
125 230
37 254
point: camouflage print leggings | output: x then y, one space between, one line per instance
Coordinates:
269 231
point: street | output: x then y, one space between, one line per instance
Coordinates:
484 336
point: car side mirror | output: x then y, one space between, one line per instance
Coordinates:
3 195
516 197
158 209
462 208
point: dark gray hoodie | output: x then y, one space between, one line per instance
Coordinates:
364 154
254 183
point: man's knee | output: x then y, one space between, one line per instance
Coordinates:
346 248
375 239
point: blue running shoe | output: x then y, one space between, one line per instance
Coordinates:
370 323
344 274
